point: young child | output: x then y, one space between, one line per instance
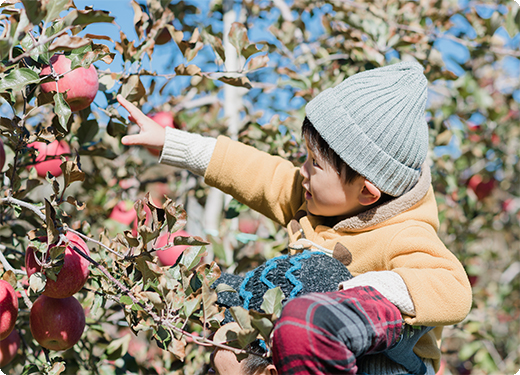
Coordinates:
363 196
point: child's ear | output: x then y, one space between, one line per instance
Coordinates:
369 194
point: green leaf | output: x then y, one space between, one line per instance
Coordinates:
87 17
125 300
263 323
31 369
119 347
273 301
191 305
77 55
39 53
54 8
34 10
62 109
115 128
87 131
17 79
192 255
235 208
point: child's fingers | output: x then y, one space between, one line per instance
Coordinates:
131 140
135 113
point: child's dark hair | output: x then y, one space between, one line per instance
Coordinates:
319 146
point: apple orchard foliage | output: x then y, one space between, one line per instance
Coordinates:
130 302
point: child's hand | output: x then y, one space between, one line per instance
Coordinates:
151 134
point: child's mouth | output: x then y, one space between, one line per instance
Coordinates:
308 195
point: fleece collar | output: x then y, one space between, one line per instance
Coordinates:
391 208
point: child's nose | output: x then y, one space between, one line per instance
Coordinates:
303 170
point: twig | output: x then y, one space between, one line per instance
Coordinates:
41 41
68 229
6 264
29 206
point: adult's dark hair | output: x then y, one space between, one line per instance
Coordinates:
255 363
318 145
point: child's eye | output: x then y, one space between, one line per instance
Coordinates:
314 163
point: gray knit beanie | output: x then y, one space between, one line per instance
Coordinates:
375 122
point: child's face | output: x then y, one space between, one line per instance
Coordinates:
325 191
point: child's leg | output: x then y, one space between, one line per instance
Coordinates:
324 333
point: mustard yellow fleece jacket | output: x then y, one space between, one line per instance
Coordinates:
399 235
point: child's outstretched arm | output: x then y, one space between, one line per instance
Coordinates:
179 148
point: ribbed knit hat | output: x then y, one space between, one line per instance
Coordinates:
375 122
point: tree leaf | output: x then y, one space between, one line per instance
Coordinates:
68 43
190 70
115 128
17 79
71 172
50 222
238 36
62 109
34 10
133 89
53 9
272 303
192 255
37 282
191 304
241 81
87 131
257 62
87 17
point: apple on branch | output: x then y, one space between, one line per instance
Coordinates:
57 323
8 348
55 148
72 276
80 84
169 256
8 309
481 187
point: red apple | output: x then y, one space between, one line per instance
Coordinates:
55 148
57 323
124 213
166 120
169 256
8 309
2 155
81 84
72 275
248 225
8 348
482 188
